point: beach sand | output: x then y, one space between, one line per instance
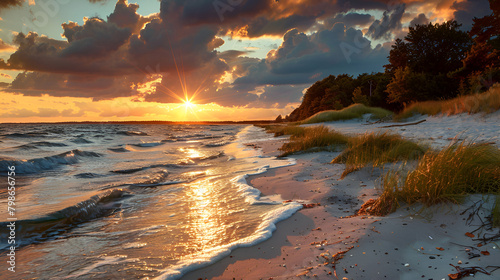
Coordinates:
328 241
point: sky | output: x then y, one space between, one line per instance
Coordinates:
186 60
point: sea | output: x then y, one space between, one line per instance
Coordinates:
130 201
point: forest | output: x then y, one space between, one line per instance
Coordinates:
434 61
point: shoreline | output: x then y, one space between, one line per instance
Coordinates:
400 245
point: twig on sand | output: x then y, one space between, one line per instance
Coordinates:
406 124
466 271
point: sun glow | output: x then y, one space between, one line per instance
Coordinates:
189 105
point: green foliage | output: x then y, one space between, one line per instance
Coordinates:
487 102
316 137
352 112
336 92
431 48
444 176
358 97
377 149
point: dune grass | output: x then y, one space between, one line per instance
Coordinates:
280 130
316 137
377 148
444 176
486 102
352 112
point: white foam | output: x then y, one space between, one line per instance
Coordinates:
263 232
252 196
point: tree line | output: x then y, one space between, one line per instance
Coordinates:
433 62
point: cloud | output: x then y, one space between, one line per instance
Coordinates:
95 39
264 26
25 113
4 47
55 84
5 75
421 19
176 52
391 21
466 10
350 20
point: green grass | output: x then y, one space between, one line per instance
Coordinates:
377 148
280 130
486 102
352 112
444 176
318 137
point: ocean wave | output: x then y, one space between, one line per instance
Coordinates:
204 158
132 133
119 150
36 145
88 175
148 144
45 163
53 224
80 140
216 144
137 169
26 135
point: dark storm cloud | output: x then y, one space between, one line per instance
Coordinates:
279 96
465 11
391 21
108 58
350 20
96 38
329 51
217 11
54 84
264 26
421 19
125 16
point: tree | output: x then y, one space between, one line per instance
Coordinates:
481 66
431 48
398 89
358 97
398 56
487 28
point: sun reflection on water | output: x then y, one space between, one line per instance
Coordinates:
207 221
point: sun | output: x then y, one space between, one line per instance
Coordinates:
189 105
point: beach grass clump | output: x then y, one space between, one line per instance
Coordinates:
316 137
486 102
354 111
445 176
292 130
377 149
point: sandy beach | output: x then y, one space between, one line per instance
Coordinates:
327 240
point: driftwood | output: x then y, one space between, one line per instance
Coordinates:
406 124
